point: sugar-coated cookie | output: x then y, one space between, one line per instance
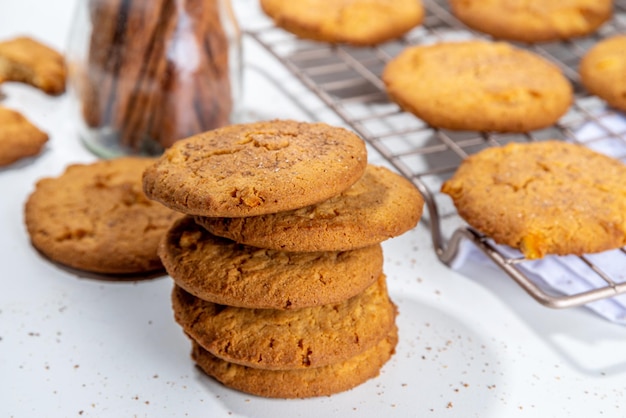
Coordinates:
29 61
357 22
287 339
478 86
257 168
533 20
221 271
548 197
381 205
299 383
603 71
19 138
95 217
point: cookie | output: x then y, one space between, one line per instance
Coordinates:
256 168
95 217
478 86
356 22
547 197
220 271
29 61
533 21
381 205
19 138
603 71
299 383
287 339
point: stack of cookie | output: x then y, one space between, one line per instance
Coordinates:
95 217
278 266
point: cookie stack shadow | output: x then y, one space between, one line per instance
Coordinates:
290 303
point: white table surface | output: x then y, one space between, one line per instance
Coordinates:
471 344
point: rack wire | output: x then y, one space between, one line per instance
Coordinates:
348 81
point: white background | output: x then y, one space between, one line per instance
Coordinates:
471 345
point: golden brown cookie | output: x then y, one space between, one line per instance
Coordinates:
547 197
287 339
603 71
95 217
257 168
533 20
299 383
19 138
29 61
381 205
220 271
478 86
357 22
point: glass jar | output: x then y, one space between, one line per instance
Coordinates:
145 73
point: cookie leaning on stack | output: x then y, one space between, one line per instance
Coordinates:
265 320
95 217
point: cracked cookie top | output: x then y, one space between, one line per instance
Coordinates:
257 168
96 218
548 197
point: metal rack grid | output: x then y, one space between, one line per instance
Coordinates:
347 79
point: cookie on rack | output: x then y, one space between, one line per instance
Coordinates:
19 138
603 71
256 168
288 339
381 205
95 217
299 383
549 197
220 271
356 22
478 86
533 21
27 60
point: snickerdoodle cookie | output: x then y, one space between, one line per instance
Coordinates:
221 271
603 71
479 86
29 61
357 22
547 197
299 383
381 205
533 20
19 138
288 339
256 168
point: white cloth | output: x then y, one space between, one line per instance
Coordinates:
569 274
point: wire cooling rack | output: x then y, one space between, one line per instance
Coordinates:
348 81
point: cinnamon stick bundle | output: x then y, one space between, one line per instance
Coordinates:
157 70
